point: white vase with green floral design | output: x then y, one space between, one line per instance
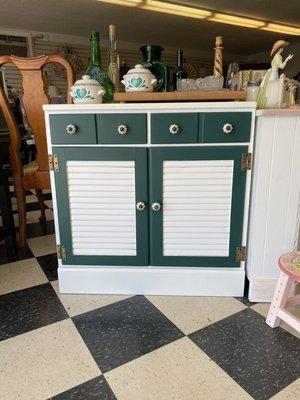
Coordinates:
139 79
87 91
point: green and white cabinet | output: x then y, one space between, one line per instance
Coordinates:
151 199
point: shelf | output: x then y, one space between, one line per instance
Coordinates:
190 95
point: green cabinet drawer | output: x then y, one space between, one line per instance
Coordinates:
73 129
122 128
226 127
174 128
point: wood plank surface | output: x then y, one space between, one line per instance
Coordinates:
190 95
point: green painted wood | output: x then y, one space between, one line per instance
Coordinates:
188 128
157 157
140 156
85 129
108 128
213 127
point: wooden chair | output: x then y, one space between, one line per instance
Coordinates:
36 174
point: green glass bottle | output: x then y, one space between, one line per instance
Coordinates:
95 71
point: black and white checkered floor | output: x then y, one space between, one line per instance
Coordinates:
83 347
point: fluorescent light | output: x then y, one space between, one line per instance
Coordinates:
193 12
129 3
175 9
239 21
288 30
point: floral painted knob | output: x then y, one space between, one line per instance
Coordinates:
71 129
228 128
174 129
140 206
122 129
156 206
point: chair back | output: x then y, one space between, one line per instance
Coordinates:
34 97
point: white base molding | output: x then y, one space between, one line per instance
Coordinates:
262 290
151 281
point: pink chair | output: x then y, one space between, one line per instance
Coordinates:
289 264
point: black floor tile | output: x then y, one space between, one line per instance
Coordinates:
29 309
49 265
95 389
23 254
260 359
34 206
123 331
40 229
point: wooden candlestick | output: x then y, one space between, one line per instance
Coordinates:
218 64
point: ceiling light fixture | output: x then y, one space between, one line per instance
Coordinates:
239 21
288 30
193 12
175 9
128 3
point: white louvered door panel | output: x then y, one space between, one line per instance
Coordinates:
102 207
197 197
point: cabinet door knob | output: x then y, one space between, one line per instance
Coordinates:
228 128
122 129
140 206
174 129
71 129
156 206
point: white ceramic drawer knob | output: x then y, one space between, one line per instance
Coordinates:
156 206
228 128
140 206
71 129
174 129
122 129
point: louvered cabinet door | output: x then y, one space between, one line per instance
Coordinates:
196 205
97 192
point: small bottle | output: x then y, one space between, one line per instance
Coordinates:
252 90
95 70
113 58
179 72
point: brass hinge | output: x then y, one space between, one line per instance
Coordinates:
61 252
246 161
53 162
240 254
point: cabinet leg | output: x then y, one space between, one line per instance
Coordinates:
280 299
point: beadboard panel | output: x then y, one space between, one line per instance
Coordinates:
207 186
109 226
275 200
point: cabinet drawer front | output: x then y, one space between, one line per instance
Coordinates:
73 129
226 127
122 128
174 128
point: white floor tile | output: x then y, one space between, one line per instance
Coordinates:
42 245
192 313
79 303
44 362
178 371
20 275
291 392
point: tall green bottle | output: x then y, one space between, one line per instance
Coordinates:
95 71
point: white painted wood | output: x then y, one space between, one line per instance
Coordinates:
274 202
235 106
151 281
117 207
202 182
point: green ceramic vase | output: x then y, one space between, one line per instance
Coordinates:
152 61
